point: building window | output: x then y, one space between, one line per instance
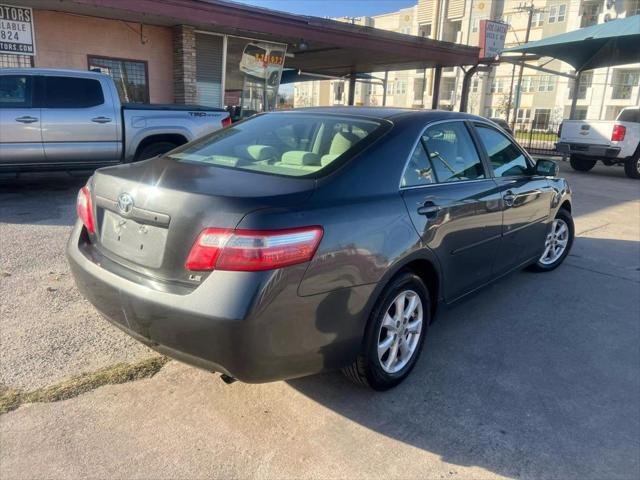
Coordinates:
425 30
447 89
585 82
16 61
623 83
406 30
546 83
338 91
418 89
524 115
401 87
590 12
389 87
557 13
538 19
497 86
581 113
541 118
130 77
508 19
528 84
475 85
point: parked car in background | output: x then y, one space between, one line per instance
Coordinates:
68 119
611 142
315 239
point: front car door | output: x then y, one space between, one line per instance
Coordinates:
20 132
526 199
79 123
454 205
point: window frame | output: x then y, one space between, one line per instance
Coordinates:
119 59
29 92
486 168
485 155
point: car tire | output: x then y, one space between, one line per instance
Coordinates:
381 371
581 164
548 263
632 165
154 149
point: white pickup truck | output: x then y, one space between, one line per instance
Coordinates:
70 119
612 142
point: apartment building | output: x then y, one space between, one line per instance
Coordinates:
543 99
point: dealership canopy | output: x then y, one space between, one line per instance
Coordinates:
608 44
315 45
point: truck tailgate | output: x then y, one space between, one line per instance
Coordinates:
593 132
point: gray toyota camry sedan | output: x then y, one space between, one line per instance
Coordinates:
308 240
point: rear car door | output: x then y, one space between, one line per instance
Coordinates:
526 198
454 205
79 123
20 130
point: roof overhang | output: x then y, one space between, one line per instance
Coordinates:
334 48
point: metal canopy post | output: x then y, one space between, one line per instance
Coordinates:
435 99
574 97
466 81
352 89
384 88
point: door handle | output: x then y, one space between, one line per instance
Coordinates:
429 209
26 119
101 120
509 198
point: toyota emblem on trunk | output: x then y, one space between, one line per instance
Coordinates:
125 203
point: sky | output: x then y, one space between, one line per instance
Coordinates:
333 8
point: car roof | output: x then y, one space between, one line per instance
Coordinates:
388 113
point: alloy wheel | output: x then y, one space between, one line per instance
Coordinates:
400 330
556 242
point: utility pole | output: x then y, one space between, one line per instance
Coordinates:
532 10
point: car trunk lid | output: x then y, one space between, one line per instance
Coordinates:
148 214
591 132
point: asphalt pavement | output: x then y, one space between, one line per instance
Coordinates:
536 376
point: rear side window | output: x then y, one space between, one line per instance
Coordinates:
506 159
290 144
630 115
419 170
15 91
68 92
452 153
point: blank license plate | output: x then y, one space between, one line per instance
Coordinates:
140 243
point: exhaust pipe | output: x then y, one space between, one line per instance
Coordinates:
227 379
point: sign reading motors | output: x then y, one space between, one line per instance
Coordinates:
16 30
492 35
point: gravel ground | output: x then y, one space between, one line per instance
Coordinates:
47 331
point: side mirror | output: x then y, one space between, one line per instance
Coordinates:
547 168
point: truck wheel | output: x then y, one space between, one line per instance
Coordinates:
632 166
581 164
394 334
154 149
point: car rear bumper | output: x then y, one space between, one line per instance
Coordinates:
588 150
250 325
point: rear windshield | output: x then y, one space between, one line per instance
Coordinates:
290 144
630 115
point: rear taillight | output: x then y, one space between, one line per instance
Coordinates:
251 250
85 210
226 122
619 131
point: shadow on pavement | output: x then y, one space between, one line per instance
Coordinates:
536 376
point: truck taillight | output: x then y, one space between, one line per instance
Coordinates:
226 122
85 210
253 250
619 131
